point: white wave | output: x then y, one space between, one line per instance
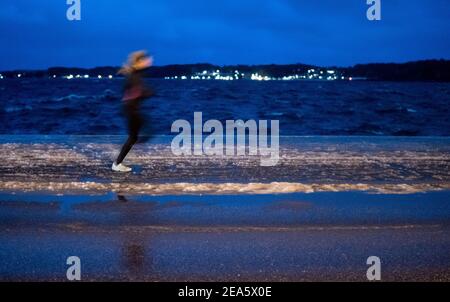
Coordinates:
184 188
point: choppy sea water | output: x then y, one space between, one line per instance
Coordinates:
59 106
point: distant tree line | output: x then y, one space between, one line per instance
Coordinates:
429 70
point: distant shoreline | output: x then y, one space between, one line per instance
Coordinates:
427 70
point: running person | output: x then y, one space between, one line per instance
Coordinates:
135 92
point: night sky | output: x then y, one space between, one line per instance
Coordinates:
36 34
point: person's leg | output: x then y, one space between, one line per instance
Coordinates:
132 139
134 124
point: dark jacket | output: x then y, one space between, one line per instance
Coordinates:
135 87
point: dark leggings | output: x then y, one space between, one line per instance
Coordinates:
131 108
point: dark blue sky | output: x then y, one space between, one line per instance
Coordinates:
36 33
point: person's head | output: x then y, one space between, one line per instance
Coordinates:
137 60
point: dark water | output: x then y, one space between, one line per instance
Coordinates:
57 106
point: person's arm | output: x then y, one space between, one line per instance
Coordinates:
132 88
146 91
